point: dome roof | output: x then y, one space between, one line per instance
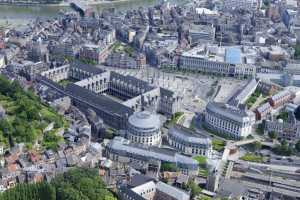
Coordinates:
144 120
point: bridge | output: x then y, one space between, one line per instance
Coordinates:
244 142
250 141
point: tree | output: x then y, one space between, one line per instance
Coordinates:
297 51
26 115
272 135
169 167
201 160
205 198
260 129
257 146
76 184
297 113
283 149
6 127
69 193
297 146
195 189
83 183
34 191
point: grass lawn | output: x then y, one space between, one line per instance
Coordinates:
116 46
174 119
252 158
200 159
120 47
218 145
65 82
203 172
252 99
203 197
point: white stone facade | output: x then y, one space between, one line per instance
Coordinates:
189 142
229 120
144 128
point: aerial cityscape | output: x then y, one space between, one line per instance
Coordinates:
149 99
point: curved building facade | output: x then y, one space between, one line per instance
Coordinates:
229 120
189 142
144 127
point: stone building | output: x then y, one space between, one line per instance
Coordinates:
145 188
141 157
93 53
124 60
114 97
286 130
280 98
229 120
189 142
144 127
31 69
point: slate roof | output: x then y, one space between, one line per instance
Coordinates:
101 102
86 67
189 136
172 191
139 179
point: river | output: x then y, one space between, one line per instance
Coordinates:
21 15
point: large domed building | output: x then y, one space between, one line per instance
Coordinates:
145 128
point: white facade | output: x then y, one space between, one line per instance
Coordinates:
2 61
146 190
244 4
189 142
229 120
144 127
212 59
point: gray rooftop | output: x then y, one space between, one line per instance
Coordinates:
86 67
99 101
144 120
139 179
188 135
231 112
172 191
281 95
123 146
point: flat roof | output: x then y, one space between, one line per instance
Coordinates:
233 55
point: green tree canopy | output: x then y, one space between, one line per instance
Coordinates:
76 184
297 113
272 135
297 146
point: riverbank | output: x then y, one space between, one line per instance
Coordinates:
64 3
18 16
